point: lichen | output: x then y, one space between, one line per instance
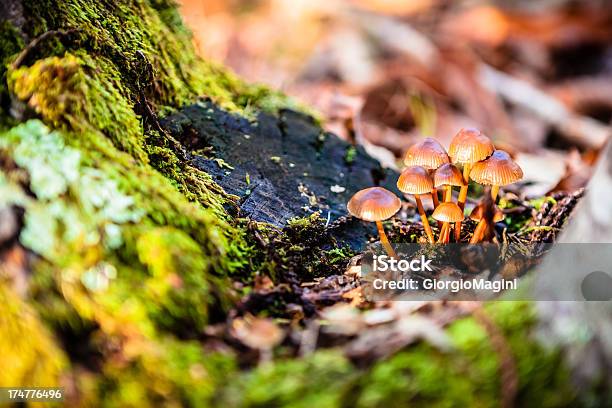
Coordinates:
53 226
116 246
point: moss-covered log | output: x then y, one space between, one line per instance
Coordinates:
118 246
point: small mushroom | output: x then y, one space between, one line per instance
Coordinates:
429 154
478 215
468 147
415 180
447 176
448 213
498 170
375 204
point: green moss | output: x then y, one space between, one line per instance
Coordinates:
419 376
126 250
177 290
537 203
10 42
321 380
107 63
349 155
149 48
304 249
166 373
69 93
468 374
10 45
544 380
35 360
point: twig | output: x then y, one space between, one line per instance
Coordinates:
576 128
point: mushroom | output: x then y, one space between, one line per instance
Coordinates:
478 214
469 146
415 180
375 204
448 175
447 212
498 170
429 154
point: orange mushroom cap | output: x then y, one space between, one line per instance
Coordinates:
448 212
428 153
478 212
497 170
470 146
448 175
373 204
415 180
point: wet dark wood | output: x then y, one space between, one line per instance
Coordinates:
283 166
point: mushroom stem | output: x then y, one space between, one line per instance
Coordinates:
494 192
436 202
443 233
385 241
479 232
449 194
434 197
426 226
467 167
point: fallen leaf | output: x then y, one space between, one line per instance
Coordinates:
541 171
577 173
342 319
256 332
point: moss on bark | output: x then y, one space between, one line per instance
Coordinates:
118 246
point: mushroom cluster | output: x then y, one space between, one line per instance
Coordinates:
429 168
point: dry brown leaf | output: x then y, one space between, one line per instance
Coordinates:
384 340
395 7
577 173
342 319
256 332
541 170
482 24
